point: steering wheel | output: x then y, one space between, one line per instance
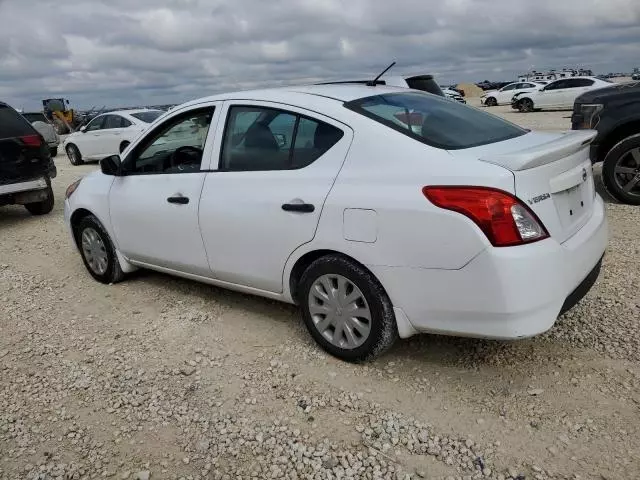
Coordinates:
188 153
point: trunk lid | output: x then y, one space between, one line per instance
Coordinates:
552 176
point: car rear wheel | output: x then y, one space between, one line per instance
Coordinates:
491 102
621 171
346 310
74 155
97 250
124 145
525 105
42 207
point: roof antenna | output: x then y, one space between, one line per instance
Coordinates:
375 80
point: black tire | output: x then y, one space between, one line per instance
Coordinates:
42 207
113 272
383 328
53 151
525 105
124 145
622 156
74 155
491 102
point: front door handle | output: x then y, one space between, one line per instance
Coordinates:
298 207
179 199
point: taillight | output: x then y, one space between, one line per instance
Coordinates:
31 140
504 219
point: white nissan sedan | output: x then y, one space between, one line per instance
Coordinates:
107 134
382 212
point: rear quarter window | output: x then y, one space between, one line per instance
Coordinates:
12 124
436 121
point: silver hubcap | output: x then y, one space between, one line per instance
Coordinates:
72 155
627 171
339 311
94 251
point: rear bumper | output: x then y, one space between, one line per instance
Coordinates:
503 293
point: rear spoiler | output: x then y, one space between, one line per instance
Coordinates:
568 144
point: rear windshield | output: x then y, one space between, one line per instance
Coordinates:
436 121
12 124
35 117
147 117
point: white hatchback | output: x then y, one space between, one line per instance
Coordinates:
107 134
382 212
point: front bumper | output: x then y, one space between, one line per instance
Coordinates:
503 293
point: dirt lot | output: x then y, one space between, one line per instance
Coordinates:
168 378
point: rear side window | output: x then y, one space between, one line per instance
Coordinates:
12 124
435 121
579 82
147 117
260 138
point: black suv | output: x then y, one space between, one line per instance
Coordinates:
26 166
615 113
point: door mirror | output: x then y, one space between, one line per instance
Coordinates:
110 165
83 128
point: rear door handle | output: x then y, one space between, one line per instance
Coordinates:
179 199
298 207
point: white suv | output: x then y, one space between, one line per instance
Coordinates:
559 94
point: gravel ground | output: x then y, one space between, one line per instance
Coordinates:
159 377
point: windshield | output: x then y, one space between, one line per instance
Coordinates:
147 117
436 121
35 117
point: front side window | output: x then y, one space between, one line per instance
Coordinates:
580 82
259 138
96 124
435 121
175 146
509 87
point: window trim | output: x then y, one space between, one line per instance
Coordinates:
143 144
354 106
299 116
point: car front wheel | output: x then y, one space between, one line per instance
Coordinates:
525 105
97 250
491 102
346 310
621 170
74 155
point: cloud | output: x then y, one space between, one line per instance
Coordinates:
124 52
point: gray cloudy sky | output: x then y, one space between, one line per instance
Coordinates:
123 52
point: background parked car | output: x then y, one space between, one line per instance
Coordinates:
453 95
45 128
559 94
504 95
107 134
26 166
615 113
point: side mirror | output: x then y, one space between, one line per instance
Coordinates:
110 165
83 128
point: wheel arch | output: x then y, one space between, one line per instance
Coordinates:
294 273
75 219
302 262
619 133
